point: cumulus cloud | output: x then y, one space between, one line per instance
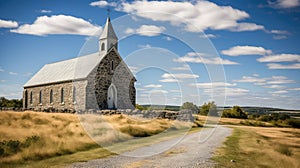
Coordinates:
146 30
102 4
274 80
278 92
213 84
177 77
284 4
185 67
199 58
45 11
280 58
247 27
8 24
144 46
153 86
207 36
58 24
246 50
13 73
280 66
194 16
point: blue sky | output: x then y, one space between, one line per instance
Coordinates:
234 52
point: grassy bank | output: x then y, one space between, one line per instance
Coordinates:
38 139
260 147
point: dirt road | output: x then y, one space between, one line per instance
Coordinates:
189 152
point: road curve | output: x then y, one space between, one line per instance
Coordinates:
189 152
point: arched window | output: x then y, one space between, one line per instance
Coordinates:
102 46
74 94
112 65
30 97
51 96
40 97
62 95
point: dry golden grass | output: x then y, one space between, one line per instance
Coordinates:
229 121
61 134
261 147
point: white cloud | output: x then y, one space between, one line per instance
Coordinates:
167 38
158 91
246 50
213 84
196 58
144 46
46 11
146 30
129 31
58 24
207 36
169 80
279 80
2 81
8 24
13 73
226 91
279 92
280 32
280 66
274 86
177 77
1 69
194 16
153 86
185 67
294 89
180 76
247 27
102 4
150 30
274 80
284 4
251 79
280 58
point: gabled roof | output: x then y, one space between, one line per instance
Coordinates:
72 69
108 31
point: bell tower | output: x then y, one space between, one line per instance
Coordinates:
108 38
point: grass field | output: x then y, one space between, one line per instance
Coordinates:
34 139
260 147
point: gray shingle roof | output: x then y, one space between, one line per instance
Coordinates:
72 69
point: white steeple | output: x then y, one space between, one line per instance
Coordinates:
108 38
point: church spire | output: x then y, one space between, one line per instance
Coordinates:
108 37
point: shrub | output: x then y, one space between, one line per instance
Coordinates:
294 123
283 149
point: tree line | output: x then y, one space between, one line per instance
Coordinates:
13 103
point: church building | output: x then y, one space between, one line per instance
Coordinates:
97 81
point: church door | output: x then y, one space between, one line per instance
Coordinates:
112 97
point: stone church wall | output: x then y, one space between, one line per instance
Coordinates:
111 70
70 102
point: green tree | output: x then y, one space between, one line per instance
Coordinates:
189 106
234 112
209 108
10 103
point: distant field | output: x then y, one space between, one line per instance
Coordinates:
260 147
33 136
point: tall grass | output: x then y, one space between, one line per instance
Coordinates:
45 135
260 147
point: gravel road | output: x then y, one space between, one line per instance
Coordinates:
189 152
